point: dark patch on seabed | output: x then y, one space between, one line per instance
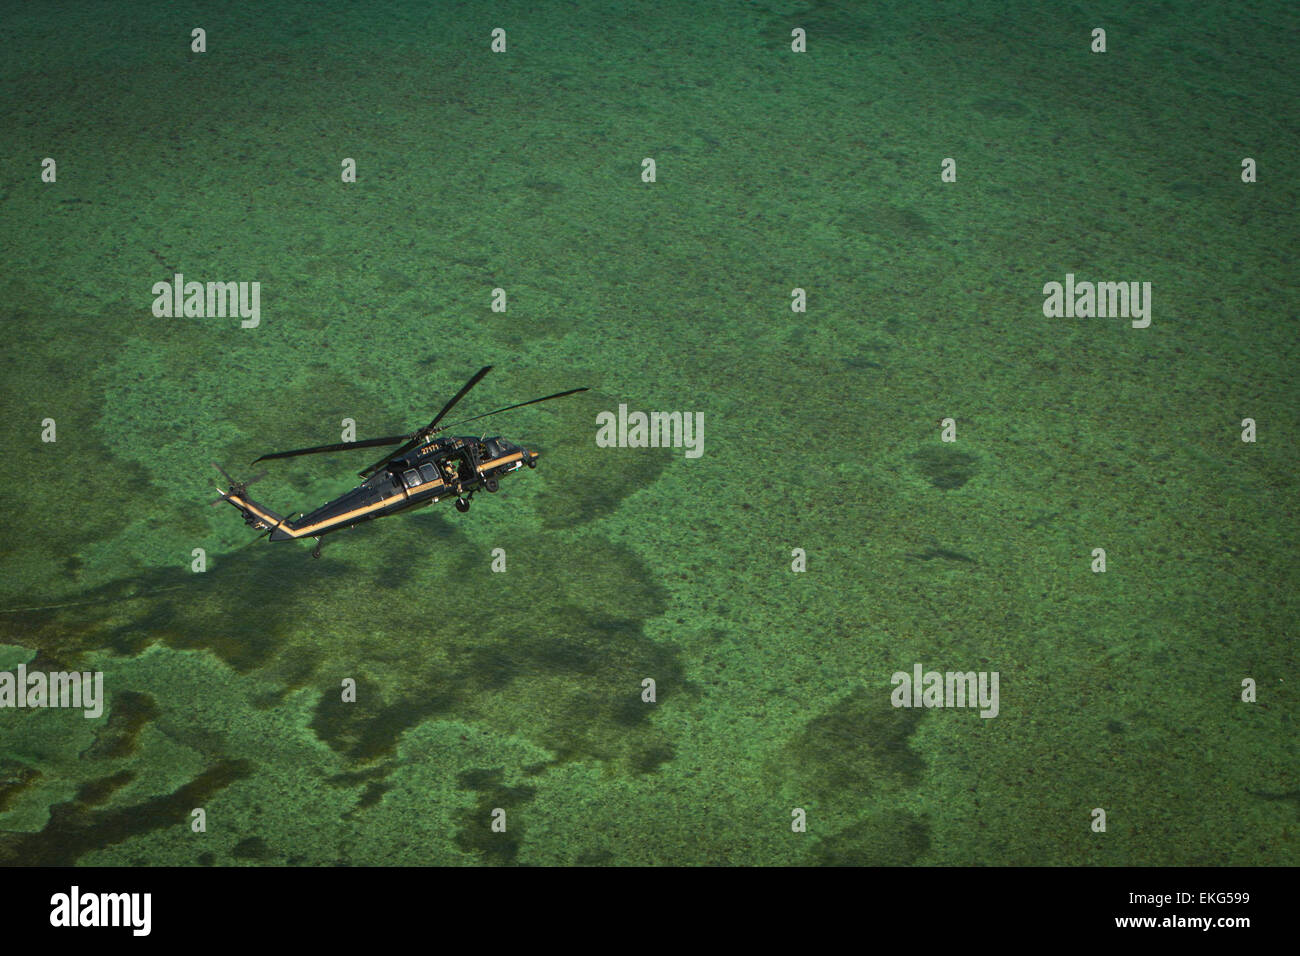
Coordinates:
75 828
857 746
489 829
15 777
886 222
117 736
892 838
578 676
251 848
846 756
945 467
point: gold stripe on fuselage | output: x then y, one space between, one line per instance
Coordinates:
501 461
319 527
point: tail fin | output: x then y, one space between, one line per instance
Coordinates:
255 515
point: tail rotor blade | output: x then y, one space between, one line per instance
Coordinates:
234 487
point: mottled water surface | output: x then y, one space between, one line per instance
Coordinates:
522 690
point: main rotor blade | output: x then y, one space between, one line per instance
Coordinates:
337 446
544 398
366 472
478 376
416 437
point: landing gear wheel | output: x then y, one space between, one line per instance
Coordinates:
491 485
462 504
532 462
315 552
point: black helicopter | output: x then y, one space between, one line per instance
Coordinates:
424 470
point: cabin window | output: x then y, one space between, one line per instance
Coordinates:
411 478
428 472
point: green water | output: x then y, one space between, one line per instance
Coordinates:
522 690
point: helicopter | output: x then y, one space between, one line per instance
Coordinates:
427 468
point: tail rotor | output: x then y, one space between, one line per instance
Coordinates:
237 488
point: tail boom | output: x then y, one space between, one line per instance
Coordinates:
261 517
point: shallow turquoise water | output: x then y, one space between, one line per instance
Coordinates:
521 691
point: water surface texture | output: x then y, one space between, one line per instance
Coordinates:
522 690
